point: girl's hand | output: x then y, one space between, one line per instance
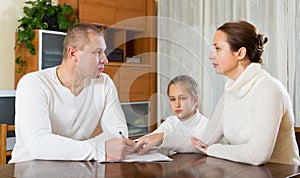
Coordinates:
145 143
199 144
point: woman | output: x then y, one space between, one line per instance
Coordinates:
174 134
255 114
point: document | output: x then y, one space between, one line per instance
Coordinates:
148 157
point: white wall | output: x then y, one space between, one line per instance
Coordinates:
11 11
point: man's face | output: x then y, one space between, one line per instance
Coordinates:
92 59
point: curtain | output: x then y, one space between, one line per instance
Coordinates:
185 32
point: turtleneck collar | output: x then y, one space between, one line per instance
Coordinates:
193 120
242 85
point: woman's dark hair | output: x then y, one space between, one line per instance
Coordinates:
243 34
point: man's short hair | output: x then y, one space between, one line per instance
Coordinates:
78 36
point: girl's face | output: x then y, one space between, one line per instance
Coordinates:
225 61
183 104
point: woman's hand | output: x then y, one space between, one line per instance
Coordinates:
145 143
199 144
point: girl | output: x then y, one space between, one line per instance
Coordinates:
176 131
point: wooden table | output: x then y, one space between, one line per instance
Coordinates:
183 166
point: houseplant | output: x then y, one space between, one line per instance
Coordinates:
41 14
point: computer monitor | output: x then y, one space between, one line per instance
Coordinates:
137 115
50 48
7 107
7 113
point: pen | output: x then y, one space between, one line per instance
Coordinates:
136 140
120 132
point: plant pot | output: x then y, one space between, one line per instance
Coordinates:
52 23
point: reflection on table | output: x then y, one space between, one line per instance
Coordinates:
184 165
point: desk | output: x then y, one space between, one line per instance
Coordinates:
184 165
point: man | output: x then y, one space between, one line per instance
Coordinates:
58 109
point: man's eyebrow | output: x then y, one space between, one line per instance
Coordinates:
99 49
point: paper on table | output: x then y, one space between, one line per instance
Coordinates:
148 157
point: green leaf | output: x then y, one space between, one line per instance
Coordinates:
23 36
31 48
32 51
18 60
67 9
34 12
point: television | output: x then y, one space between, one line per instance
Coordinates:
7 114
137 116
50 48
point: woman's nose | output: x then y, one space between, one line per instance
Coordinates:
212 55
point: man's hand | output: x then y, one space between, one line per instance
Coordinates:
145 143
118 148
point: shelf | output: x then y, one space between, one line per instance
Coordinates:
119 27
119 64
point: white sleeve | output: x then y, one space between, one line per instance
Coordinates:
166 127
33 127
213 132
178 142
113 120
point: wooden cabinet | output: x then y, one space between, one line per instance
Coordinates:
97 11
131 42
73 3
109 12
132 82
31 62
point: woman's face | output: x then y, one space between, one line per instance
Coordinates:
182 103
224 60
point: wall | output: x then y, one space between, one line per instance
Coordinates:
11 11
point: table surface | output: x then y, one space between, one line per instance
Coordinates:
183 166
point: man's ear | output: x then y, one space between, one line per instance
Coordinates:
72 54
241 53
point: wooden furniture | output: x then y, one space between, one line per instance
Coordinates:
297 134
31 62
73 3
4 128
184 165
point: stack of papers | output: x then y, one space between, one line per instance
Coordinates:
148 157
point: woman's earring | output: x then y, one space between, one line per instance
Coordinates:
240 61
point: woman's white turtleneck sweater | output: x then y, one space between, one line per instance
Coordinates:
255 116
